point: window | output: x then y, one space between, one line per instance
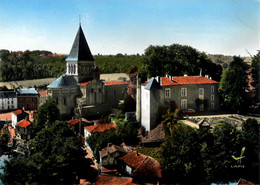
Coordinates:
57 100
212 97
167 93
64 101
184 104
183 91
32 99
201 107
212 89
212 105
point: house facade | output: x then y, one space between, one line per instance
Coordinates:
80 91
186 92
17 116
8 100
23 129
27 98
109 156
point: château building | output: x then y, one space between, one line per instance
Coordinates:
80 91
186 92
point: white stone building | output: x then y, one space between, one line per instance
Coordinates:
8 100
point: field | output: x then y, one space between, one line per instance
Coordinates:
47 81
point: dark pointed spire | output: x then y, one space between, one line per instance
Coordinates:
80 50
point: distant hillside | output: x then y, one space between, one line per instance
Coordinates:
224 61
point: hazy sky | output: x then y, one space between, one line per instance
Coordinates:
227 27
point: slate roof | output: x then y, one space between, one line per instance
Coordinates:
80 49
110 149
30 91
101 127
63 82
24 123
153 84
7 94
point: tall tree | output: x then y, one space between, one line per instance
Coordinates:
233 85
46 115
256 74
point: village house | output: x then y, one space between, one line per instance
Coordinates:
8 100
23 129
27 98
80 91
143 169
187 92
17 116
109 156
99 128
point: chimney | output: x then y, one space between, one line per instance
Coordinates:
27 118
185 75
207 76
109 144
137 153
170 77
210 78
200 72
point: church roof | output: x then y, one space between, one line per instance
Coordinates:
80 50
63 82
153 84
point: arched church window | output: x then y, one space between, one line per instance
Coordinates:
74 69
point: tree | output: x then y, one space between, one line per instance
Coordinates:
250 136
129 105
180 154
56 157
233 85
178 60
256 74
46 115
4 136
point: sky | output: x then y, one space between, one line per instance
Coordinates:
228 27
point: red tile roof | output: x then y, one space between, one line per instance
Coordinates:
101 127
185 80
148 168
73 121
110 149
84 83
6 116
24 123
133 159
118 82
111 179
17 112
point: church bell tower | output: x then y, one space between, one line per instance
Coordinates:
80 63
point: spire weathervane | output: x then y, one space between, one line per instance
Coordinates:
79 20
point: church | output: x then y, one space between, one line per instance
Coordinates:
80 91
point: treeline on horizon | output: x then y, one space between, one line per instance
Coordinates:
157 60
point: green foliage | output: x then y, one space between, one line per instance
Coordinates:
129 105
154 152
199 102
256 74
205 156
46 115
118 63
30 65
178 60
56 157
125 132
4 136
232 86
